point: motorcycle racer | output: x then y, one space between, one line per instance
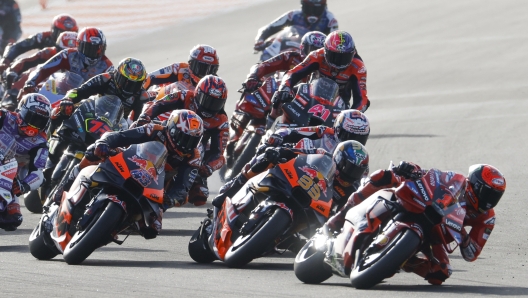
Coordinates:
60 23
87 60
313 15
181 135
203 60
337 61
484 188
23 137
207 100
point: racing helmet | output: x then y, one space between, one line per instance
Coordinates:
313 9
184 131
351 159
203 61
61 23
129 76
339 49
486 187
352 125
34 111
91 44
312 41
210 96
66 40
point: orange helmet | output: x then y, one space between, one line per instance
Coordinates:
203 61
61 23
486 186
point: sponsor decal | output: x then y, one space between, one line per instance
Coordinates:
316 176
453 225
260 99
422 190
419 202
498 181
146 165
490 221
141 176
294 111
208 58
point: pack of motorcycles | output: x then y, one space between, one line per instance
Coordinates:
274 212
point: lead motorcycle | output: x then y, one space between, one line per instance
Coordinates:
387 229
120 195
257 106
87 124
265 216
288 39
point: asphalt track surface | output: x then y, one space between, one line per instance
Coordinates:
448 85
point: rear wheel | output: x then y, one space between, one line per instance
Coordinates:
373 267
309 265
261 239
96 234
198 247
245 156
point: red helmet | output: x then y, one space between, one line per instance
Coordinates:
67 39
313 9
339 49
486 186
210 96
61 23
203 61
91 43
184 131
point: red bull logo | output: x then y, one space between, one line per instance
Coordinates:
146 165
315 174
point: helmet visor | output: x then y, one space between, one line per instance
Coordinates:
184 142
201 69
487 197
209 103
127 86
339 60
344 135
313 10
349 171
90 50
33 119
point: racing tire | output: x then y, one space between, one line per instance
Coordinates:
245 156
309 265
38 247
388 261
96 234
32 202
246 248
198 248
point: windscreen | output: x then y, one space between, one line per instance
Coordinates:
154 152
324 88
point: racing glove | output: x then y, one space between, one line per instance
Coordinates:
205 171
251 84
19 187
275 140
101 150
259 45
66 107
142 120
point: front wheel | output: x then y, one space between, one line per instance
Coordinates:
97 233
309 265
261 239
38 247
33 202
373 267
198 247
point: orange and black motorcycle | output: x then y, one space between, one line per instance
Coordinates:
120 195
268 212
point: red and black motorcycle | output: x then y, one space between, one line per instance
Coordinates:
120 195
257 106
268 212
387 229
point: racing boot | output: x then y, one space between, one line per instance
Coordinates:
11 218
